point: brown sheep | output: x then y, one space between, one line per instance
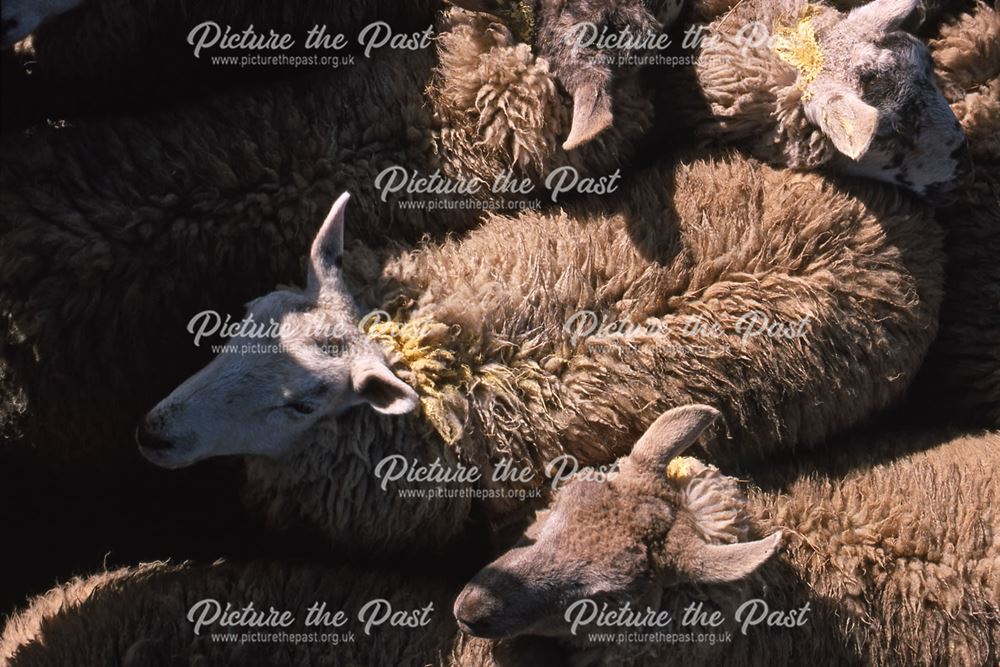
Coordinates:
961 380
160 614
890 557
560 32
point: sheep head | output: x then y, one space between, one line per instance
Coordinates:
869 87
299 358
620 541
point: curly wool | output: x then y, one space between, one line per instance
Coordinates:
137 617
714 500
710 241
892 540
493 66
759 102
967 62
881 539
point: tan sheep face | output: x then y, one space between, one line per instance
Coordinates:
617 542
876 99
262 394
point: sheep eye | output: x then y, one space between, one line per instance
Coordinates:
301 407
332 346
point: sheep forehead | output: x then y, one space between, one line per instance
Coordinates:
589 543
287 341
303 321
895 60
605 518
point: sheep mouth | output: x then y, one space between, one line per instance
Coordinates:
167 455
482 630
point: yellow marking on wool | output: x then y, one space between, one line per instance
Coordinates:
681 468
798 47
520 18
438 370
445 365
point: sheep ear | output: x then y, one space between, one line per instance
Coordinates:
672 433
883 15
591 116
327 251
377 386
720 563
845 118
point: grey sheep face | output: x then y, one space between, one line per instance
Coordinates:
618 542
565 33
21 17
299 358
876 99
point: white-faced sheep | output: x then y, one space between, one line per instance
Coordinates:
797 307
923 20
890 558
803 85
160 614
116 232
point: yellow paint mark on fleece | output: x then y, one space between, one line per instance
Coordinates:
519 15
445 366
797 46
681 468
428 349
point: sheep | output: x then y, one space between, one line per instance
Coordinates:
69 66
961 379
801 85
506 339
925 18
967 63
163 614
881 558
116 232
559 31
645 538
107 55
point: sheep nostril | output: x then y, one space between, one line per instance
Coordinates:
149 440
475 610
475 628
